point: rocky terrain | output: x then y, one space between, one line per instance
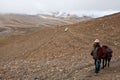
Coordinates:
51 53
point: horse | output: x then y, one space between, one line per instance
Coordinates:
107 55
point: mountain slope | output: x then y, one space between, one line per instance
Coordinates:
16 24
52 54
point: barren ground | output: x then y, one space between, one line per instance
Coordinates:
50 53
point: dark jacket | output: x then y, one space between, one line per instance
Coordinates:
97 54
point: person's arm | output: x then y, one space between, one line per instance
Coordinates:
91 53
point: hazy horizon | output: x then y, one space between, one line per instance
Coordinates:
79 7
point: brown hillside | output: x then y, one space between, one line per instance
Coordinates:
20 24
53 54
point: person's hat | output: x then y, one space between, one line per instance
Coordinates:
97 41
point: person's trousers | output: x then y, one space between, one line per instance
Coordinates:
97 65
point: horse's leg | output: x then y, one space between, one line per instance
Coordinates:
106 61
109 58
103 63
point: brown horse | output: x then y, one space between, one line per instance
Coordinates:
107 54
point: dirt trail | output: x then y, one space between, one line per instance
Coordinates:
111 73
63 68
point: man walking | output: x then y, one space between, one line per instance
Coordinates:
97 55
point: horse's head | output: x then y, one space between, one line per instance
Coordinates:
104 49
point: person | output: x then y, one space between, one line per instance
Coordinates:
97 55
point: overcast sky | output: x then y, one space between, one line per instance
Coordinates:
99 7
